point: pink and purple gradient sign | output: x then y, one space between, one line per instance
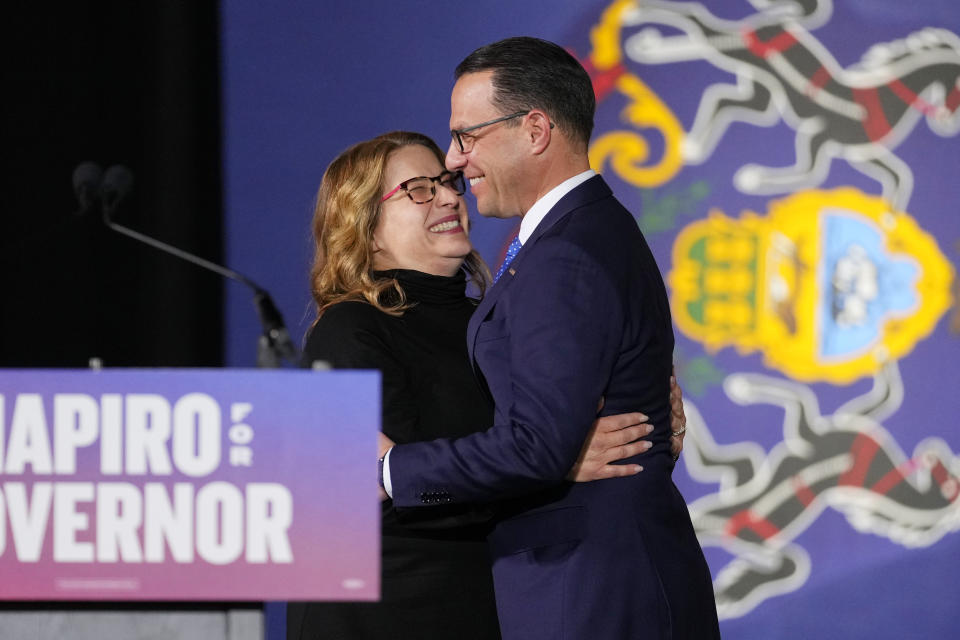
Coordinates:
189 485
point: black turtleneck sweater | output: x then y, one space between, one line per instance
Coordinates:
429 390
436 573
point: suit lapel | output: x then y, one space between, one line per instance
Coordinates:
593 189
483 309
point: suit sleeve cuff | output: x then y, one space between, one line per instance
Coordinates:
387 485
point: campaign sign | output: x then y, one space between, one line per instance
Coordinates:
189 485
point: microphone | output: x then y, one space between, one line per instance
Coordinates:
86 184
116 184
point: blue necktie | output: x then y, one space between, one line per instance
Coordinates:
507 259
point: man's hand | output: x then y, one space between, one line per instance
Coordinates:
678 419
384 444
611 438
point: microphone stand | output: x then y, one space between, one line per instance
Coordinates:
274 344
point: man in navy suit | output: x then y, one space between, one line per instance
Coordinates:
580 314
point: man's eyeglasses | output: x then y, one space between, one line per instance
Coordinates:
467 145
423 189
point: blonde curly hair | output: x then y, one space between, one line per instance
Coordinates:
345 216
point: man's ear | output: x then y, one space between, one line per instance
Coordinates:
539 129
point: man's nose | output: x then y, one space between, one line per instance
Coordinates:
455 160
445 195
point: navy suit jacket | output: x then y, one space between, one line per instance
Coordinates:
581 314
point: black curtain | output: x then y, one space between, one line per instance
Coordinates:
133 83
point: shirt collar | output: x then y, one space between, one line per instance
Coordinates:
542 207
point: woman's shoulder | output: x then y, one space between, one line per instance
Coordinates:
346 329
350 317
349 310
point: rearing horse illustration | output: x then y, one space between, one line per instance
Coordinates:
860 113
845 461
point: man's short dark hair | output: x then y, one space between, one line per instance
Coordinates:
529 73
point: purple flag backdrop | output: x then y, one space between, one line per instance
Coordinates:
794 166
